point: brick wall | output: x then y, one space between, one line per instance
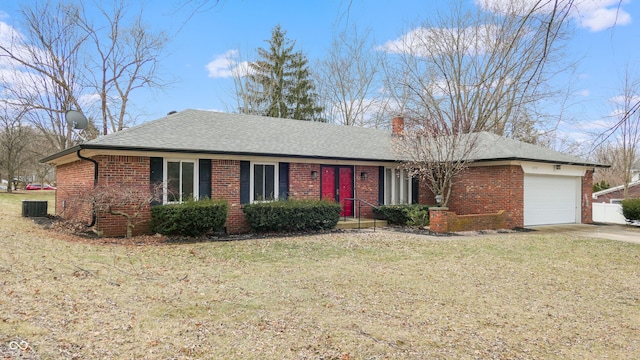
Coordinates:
444 221
225 184
301 185
75 182
134 171
128 172
366 189
587 192
73 179
485 190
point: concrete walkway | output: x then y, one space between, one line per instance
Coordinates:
616 232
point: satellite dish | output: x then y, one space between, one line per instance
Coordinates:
76 120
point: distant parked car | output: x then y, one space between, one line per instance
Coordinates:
39 187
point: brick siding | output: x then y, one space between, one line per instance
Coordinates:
366 190
73 179
301 185
77 178
125 171
587 192
444 221
225 184
478 190
485 190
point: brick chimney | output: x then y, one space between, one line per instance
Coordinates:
397 126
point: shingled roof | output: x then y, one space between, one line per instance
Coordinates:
208 132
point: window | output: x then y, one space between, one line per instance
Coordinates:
264 182
180 179
615 201
397 187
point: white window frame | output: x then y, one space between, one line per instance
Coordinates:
275 181
196 174
399 181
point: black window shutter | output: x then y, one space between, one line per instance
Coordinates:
155 174
380 184
283 180
245 181
204 180
415 186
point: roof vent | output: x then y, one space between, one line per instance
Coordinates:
171 112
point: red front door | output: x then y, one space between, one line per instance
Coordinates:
337 185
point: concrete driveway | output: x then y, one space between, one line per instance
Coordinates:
598 231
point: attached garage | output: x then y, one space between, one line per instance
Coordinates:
552 199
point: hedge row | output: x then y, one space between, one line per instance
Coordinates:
191 218
292 215
413 215
631 209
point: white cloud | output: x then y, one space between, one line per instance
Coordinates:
8 34
584 92
595 15
434 41
227 65
625 99
603 18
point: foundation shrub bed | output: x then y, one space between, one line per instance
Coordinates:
412 215
292 215
631 209
192 218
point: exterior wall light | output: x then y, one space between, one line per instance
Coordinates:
314 175
363 176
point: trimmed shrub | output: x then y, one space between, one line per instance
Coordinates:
191 218
631 209
292 215
413 215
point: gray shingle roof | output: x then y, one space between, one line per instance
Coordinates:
491 146
215 132
199 131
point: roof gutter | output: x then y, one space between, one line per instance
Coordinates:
94 215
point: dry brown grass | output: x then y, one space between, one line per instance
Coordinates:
334 296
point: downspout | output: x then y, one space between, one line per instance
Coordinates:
94 216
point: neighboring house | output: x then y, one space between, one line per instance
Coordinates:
243 158
615 195
607 206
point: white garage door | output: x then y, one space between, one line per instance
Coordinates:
551 199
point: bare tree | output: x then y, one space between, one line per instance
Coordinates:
609 154
486 70
64 60
435 155
14 140
469 72
621 141
125 58
44 62
348 80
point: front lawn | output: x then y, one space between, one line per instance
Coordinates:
332 296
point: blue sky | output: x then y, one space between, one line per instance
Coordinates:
243 25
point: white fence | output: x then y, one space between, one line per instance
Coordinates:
608 213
